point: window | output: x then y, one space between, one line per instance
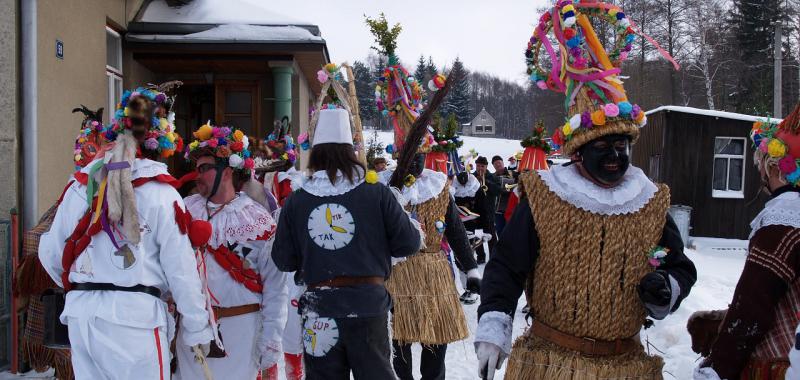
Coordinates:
478 128
728 178
487 129
237 105
113 69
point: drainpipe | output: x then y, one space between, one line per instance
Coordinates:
29 143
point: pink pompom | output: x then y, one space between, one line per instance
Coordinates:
542 84
764 146
623 56
611 110
322 76
249 163
787 164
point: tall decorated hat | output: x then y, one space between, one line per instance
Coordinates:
153 106
444 151
228 145
398 95
332 118
534 157
586 72
780 142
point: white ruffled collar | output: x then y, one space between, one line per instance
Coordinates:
465 191
320 185
628 197
426 187
783 210
241 220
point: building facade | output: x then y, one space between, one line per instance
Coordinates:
483 124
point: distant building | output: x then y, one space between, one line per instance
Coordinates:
482 125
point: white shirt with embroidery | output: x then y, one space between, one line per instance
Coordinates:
237 226
164 258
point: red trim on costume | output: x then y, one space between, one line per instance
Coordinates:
182 218
82 178
513 201
281 189
162 178
234 265
160 359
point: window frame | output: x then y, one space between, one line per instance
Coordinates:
114 76
729 194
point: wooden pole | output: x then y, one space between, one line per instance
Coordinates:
357 128
777 98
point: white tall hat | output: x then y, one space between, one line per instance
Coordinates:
333 126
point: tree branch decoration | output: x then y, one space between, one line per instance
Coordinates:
385 37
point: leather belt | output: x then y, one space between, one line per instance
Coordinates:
345 281
151 290
225 312
587 346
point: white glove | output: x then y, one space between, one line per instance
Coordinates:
490 358
269 358
705 373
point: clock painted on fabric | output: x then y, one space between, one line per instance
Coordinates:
331 226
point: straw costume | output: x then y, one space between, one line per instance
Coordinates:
426 304
758 330
125 205
591 243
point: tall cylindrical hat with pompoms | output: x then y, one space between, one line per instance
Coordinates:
585 72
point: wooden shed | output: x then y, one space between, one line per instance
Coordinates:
706 159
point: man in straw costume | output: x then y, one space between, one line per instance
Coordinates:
758 330
124 205
591 243
248 291
426 304
341 230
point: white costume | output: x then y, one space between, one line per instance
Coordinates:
120 334
252 341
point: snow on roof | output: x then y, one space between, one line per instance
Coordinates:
217 12
236 33
712 113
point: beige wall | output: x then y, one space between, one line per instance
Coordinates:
9 106
80 78
302 98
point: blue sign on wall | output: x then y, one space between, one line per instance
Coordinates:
59 49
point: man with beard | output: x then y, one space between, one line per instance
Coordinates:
758 331
248 292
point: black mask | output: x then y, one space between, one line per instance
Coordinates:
606 158
417 165
462 178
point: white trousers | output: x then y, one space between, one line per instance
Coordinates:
239 335
104 350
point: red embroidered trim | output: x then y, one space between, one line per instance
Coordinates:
231 262
182 218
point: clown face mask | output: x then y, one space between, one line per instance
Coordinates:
606 159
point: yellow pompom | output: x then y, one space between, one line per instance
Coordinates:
77 157
203 133
331 67
567 129
81 140
238 135
567 8
194 145
163 123
170 136
125 111
613 12
372 177
776 148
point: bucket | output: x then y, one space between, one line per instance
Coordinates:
682 215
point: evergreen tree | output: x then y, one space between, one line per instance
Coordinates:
430 69
458 99
365 87
420 72
753 23
375 148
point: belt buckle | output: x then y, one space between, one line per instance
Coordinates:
590 344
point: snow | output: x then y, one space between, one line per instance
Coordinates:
237 33
218 12
713 113
484 146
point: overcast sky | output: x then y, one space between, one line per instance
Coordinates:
488 36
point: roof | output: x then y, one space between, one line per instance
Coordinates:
710 113
236 33
216 12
